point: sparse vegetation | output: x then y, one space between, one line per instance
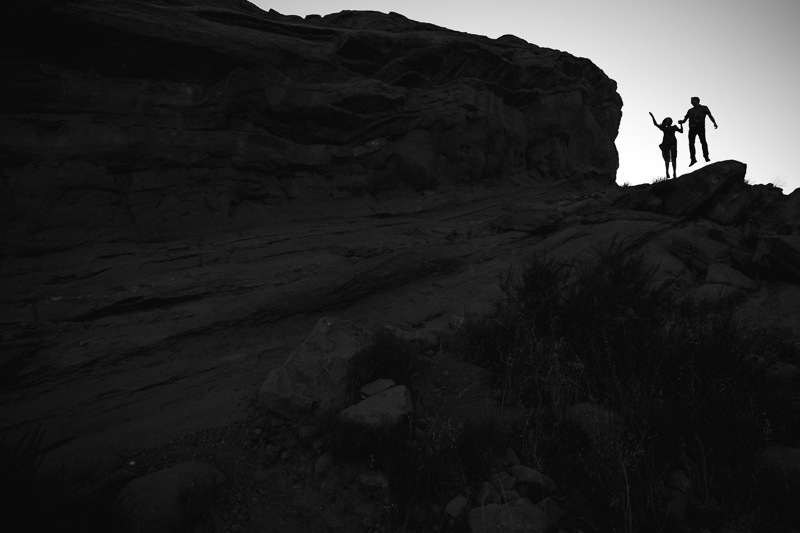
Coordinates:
686 382
42 498
680 374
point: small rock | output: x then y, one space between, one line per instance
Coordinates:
373 478
323 463
488 494
511 457
365 509
551 509
456 506
677 480
386 408
501 481
306 433
509 496
526 474
317 444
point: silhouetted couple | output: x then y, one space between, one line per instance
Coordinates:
697 128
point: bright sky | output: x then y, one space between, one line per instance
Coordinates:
741 57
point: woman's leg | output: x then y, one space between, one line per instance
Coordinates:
674 155
665 155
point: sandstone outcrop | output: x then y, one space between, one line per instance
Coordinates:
154 121
174 224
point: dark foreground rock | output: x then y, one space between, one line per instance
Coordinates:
175 224
166 501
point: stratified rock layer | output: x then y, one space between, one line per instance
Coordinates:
151 121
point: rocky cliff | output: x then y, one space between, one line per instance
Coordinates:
187 189
152 121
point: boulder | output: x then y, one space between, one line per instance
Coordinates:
720 273
716 292
519 516
698 252
777 258
456 507
316 374
509 496
387 408
695 194
166 501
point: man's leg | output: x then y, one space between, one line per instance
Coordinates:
692 135
702 134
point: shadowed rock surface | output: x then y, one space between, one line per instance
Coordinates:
187 189
149 122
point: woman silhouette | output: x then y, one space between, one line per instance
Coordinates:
669 145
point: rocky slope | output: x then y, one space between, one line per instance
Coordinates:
187 189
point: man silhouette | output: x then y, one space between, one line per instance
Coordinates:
697 127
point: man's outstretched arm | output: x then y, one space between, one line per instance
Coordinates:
708 112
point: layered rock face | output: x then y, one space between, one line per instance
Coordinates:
153 121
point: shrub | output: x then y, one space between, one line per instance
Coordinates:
680 375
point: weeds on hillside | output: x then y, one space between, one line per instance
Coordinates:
680 375
38 497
